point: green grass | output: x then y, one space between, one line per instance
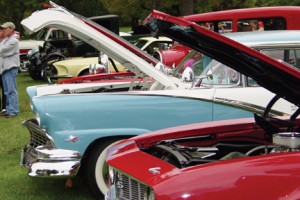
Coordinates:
125 29
14 181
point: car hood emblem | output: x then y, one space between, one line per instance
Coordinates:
154 170
71 139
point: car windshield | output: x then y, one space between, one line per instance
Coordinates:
40 35
197 66
140 43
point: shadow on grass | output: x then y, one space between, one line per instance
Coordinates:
56 189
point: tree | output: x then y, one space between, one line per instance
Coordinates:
139 9
186 7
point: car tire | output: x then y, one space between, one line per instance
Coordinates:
45 66
34 73
95 167
84 72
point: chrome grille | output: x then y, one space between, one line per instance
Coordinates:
38 137
129 189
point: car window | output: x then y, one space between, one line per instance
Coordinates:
58 34
40 35
290 56
193 60
220 74
196 66
157 45
261 24
140 43
218 26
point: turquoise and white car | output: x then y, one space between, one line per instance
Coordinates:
71 132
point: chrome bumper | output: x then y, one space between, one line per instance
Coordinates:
43 162
43 159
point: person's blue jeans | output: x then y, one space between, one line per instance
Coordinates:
10 91
3 100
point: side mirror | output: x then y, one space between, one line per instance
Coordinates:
208 75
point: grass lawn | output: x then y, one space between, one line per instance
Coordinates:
15 184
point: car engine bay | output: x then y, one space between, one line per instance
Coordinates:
279 136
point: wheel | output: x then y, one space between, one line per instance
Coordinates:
96 169
34 73
47 67
84 72
23 63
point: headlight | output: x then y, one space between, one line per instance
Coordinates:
150 194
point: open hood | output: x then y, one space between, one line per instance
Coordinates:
135 60
282 79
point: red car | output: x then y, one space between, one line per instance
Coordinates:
233 159
236 20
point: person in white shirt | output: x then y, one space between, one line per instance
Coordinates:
2 96
9 51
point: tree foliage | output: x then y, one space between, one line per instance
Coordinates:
130 11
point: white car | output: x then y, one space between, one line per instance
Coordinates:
152 44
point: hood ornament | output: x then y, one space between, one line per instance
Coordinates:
71 139
154 170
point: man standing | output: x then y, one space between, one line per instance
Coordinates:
9 51
3 100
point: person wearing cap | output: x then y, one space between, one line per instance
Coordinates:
9 51
2 96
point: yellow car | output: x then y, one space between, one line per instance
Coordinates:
79 66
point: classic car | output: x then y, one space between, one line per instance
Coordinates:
151 44
37 39
79 66
70 133
54 50
246 158
236 20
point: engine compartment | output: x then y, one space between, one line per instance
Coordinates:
277 136
181 155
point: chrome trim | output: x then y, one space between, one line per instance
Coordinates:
125 187
247 106
154 170
288 139
60 76
43 159
60 169
45 162
38 136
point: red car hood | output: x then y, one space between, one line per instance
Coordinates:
281 79
221 180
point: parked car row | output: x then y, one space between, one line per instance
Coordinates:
62 143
